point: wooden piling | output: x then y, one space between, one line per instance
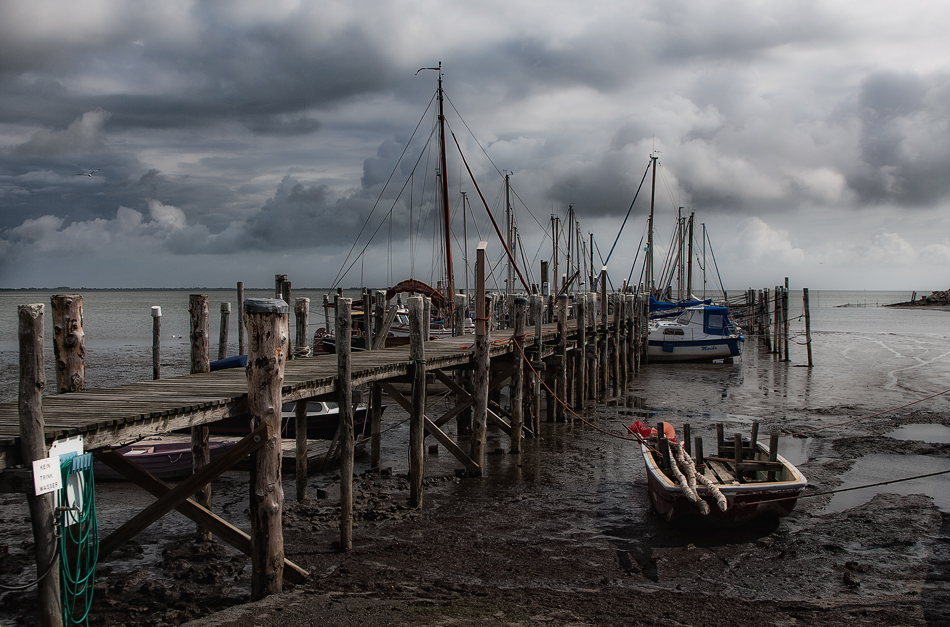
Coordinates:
156 342
268 343
580 373
418 332
223 333
367 320
302 324
301 349
33 447
517 377
615 354
200 362
536 303
482 361
785 318
807 325
69 342
242 348
773 453
561 373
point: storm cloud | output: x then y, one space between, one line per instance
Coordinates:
811 138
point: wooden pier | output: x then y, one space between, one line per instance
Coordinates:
597 349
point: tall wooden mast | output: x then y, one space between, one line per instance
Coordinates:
649 262
449 276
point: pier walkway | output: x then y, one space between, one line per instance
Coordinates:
110 417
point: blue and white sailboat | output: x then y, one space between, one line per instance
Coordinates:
700 333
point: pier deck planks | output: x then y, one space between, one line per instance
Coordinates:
107 417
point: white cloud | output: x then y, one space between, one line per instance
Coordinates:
83 135
167 216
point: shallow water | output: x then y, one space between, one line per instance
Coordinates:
932 434
881 467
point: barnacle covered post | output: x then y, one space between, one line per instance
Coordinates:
268 343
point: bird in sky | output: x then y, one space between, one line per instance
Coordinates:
88 173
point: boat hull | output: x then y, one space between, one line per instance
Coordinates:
746 501
165 460
320 425
693 350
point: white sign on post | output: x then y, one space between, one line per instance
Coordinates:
46 475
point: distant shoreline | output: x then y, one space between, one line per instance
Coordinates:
935 300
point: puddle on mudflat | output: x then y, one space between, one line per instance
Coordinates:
878 467
931 434
795 450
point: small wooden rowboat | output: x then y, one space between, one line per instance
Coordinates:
733 487
167 460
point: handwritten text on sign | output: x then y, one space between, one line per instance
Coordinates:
46 475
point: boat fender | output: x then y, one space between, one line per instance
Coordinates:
647 432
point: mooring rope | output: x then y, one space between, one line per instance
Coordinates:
880 413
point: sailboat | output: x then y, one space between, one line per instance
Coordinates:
700 330
443 294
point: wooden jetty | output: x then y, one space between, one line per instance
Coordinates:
576 358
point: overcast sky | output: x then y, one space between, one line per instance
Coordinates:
231 141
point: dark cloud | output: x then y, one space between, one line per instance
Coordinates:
905 139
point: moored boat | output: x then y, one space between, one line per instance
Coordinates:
323 418
164 460
727 489
700 333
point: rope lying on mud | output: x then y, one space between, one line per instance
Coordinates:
857 487
880 413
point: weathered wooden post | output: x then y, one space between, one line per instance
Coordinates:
242 348
603 336
517 378
69 343
615 354
807 325
482 361
418 330
268 343
580 384
301 349
367 320
785 318
537 316
463 377
561 387
223 334
156 342
375 391
33 447
345 403
200 362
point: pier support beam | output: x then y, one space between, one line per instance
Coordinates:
344 391
517 378
482 359
560 389
33 447
200 362
418 331
268 341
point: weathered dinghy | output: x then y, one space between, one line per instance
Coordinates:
165 460
745 480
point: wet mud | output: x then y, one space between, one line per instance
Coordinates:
564 534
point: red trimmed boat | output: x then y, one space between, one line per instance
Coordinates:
756 482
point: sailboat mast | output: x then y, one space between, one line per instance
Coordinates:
649 260
446 216
689 266
680 265
509 284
